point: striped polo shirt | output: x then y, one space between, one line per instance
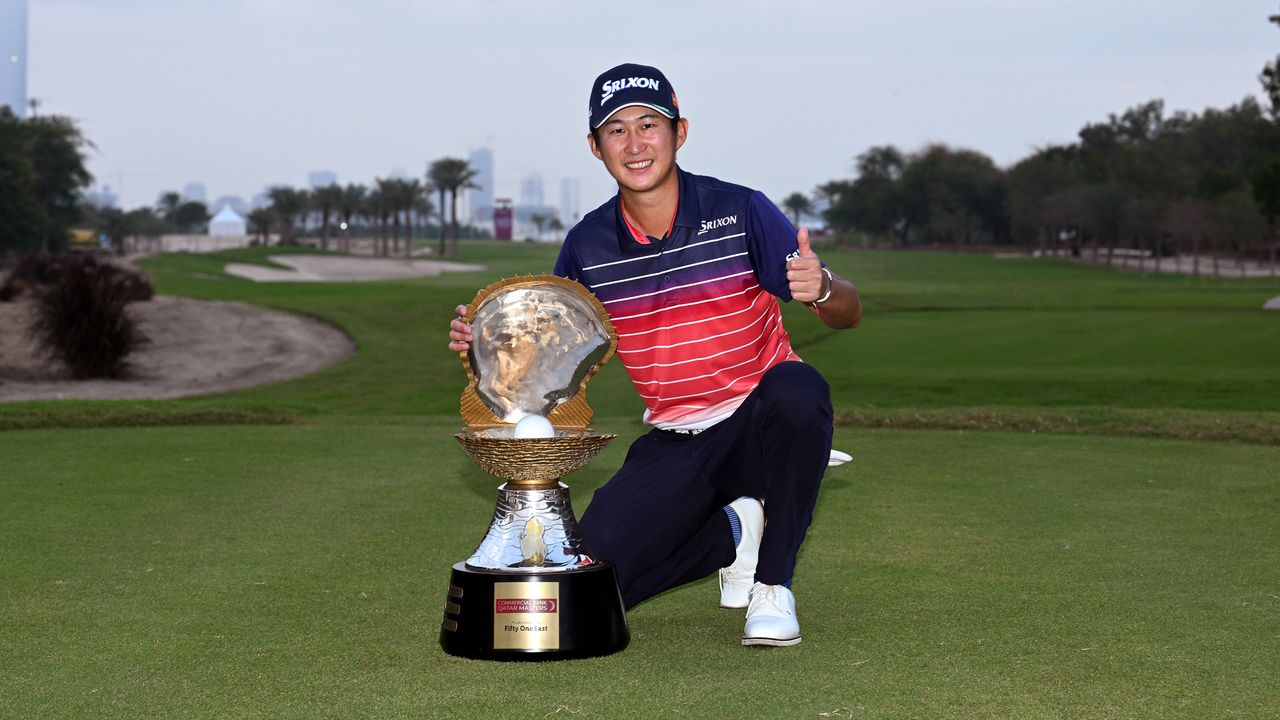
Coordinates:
697 311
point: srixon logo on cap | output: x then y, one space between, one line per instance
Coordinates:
609 87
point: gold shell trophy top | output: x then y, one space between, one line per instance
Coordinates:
537 322
538 340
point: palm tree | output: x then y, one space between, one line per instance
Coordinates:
261 221
539 221
798 205
437 180
422 207
452 175
327 199
554 224
304 211
117 225
193 216
385 194
411 191
380 201
353 197
287 204
168 205
395 204
370 210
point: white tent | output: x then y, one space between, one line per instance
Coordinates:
227 223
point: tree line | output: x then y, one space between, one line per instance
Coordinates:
391 210
43 178
1141 182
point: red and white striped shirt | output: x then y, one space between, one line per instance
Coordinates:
697 311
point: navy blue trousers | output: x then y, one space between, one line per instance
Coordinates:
659 520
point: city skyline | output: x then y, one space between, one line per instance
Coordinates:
240 95
482 159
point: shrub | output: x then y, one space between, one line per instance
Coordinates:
80 315
29 272
34 272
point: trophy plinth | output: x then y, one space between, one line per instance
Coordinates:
530 591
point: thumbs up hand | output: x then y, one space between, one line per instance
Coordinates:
804 273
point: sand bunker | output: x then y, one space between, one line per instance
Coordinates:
335 268
199 347
196 347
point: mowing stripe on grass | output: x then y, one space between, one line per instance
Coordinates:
1261 428
67 414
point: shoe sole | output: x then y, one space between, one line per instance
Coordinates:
771 642
743 606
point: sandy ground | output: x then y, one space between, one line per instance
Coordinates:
322 268
196 347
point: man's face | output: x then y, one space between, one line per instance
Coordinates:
638 147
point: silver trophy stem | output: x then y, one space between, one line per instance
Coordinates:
532 531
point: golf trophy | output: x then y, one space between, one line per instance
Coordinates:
530 591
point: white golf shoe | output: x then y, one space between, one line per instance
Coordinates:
771 617
736 580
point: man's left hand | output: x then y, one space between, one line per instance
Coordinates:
804 273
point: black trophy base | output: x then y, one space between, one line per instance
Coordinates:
495 615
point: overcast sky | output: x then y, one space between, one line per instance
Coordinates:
781 96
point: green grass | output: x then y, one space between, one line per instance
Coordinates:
299 571
1249 427
1062 504
134 413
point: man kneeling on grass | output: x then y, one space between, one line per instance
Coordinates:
691 270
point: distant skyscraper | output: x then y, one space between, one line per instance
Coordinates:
531 190
570 204
481 198
102 197
194 192
13 55
321 178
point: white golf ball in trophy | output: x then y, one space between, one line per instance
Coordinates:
534 426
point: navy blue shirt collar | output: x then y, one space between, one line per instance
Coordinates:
687 214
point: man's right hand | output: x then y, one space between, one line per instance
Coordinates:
459 332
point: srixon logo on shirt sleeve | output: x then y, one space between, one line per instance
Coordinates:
717 223
609 87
